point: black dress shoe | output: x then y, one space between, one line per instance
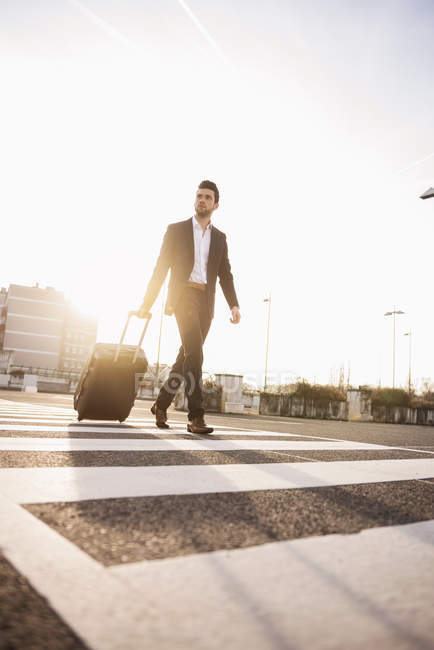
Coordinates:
160 417
198 425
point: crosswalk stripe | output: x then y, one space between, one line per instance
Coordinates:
67 423
78 587
278 595
131 444
37 419
67 419
270 596
73 421
32 409
275 595
21 406
36 414
78 427
53 484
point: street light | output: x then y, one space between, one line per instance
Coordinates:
393 313
429 194
268 338
157 367
409 359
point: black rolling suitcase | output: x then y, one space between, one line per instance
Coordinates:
108 386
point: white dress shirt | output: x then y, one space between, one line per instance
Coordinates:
202 242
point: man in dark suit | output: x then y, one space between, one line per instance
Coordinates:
197 253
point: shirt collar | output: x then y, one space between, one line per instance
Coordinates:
196 224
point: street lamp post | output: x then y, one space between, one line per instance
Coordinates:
268 338
409 359
157 366
393 313
429 194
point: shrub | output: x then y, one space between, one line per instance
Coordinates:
280 389
250 388
421 402
390 397
319 393
209 384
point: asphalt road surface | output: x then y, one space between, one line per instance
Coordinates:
271 533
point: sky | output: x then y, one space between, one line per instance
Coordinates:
315 121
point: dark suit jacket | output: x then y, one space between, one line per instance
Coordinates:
177 253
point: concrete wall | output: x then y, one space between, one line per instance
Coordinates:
357 408
250 400
403 415
36 383
212 399
292 406
4 381
231 387
59 386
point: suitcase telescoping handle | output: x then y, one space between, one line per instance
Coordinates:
118 349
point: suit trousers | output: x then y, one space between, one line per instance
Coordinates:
193 318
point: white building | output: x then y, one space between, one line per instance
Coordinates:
43 330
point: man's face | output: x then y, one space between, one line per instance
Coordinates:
205 202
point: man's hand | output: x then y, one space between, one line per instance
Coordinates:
142 312
236 316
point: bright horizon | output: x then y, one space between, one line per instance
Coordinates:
314 120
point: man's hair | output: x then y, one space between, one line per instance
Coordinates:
209 185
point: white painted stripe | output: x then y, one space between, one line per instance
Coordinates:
72 420
78 427
36 415
72 416
74 427
39 414
11 413
134 444
377 584
68 420
52 484
94 603
29 408
373 589
221 430
24 406
218 430
12 403
32 407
